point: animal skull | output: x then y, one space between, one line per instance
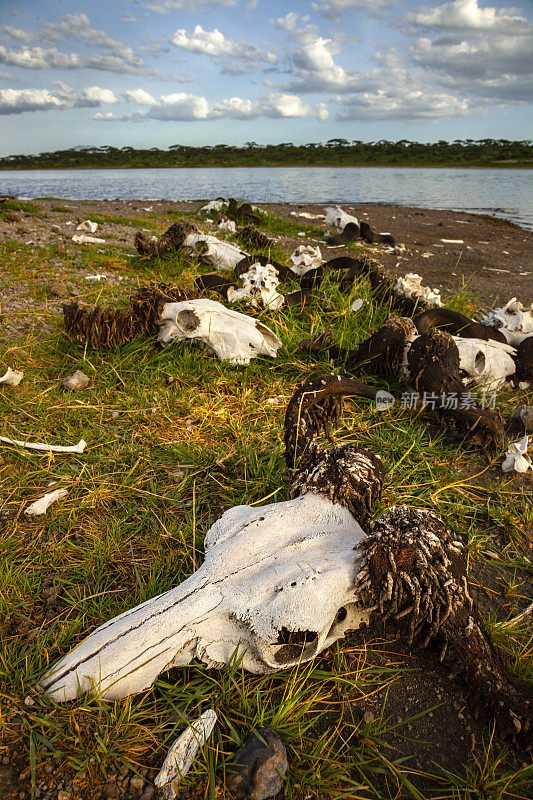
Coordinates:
269 572
234 337
260 287
337 218
487 363
514 320
223 255
305 258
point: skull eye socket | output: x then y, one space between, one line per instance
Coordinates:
187 320
479 364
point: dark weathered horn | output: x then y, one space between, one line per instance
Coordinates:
413 573
349 475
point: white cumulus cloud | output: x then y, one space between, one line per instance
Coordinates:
237 57
467 15
18 101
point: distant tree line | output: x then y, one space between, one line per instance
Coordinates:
335 152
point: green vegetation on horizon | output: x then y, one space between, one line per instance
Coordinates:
334 153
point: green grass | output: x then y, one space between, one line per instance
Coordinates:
175 437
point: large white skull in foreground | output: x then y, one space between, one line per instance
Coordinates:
230 335
270 571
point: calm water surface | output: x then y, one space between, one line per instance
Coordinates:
506 193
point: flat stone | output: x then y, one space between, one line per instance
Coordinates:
521 420
58 289
259 767
78 380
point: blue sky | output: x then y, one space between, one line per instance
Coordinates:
152 73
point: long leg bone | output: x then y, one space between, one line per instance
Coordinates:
46 448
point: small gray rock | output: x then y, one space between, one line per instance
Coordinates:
521 420
58 289
259 766
78 380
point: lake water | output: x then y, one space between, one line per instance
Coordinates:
506 193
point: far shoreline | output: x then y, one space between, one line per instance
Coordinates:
277 166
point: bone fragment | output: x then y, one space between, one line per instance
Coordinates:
411 286
183 752
47 448
514 320
83 239
87 226
517 458
12 377
42 505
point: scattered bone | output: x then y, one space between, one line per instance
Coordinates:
221 254
305 258
12 377
227 225
516 457
528 612
338 219
232 336
305 215
357 304
78 380
411 286
47 448
183 752
87 226
83 239
42 505
452 241
514 320
96 278
260 285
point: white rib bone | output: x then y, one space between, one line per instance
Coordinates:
47 448
183 752
285 566
12 377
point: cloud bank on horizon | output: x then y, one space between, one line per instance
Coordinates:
210 71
